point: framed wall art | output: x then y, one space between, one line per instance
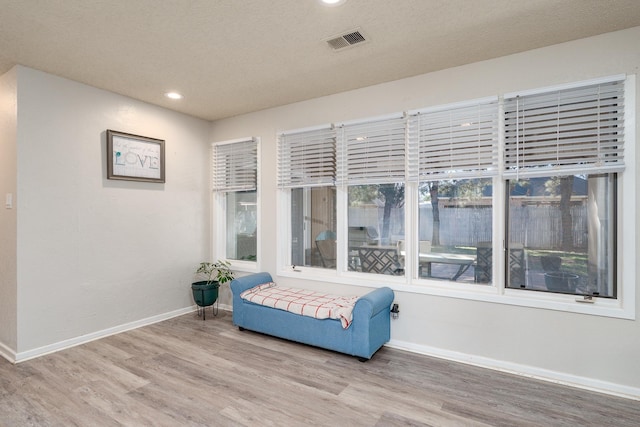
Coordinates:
134 157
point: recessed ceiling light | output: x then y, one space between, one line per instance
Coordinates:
173 95
333 2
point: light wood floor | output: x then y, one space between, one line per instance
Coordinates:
188 372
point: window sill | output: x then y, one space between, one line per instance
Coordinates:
485 293
348 278
245 266
605 307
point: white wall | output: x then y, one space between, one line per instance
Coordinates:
96 255
8 174
592 351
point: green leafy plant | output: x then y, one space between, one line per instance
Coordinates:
219 271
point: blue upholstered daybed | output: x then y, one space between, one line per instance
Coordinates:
369 330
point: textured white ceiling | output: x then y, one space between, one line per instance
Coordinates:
229 57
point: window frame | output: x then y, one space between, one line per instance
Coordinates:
487 168
320 176
219 211
623 306
366 169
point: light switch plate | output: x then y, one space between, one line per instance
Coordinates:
9 201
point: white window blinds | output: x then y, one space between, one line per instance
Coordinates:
455 141
372 152
235 166
566 131
307 158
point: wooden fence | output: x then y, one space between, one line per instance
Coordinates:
537 227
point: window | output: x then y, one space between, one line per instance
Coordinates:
563 151
242 223
561 234
455 230
457 151
235 184
522 199
307 170
313 225
376 228
372 168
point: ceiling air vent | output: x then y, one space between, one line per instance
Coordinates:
346 40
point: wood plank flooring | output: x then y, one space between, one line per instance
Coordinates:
188 372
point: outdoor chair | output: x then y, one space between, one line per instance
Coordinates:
484 258
516 266
326 245
380 260
424 247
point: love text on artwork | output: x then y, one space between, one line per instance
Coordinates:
133 158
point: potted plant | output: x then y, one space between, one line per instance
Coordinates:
205 292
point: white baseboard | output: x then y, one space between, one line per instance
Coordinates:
7 353
51 348
523 370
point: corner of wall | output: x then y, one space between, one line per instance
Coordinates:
8 215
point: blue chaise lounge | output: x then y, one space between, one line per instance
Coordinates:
369 330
